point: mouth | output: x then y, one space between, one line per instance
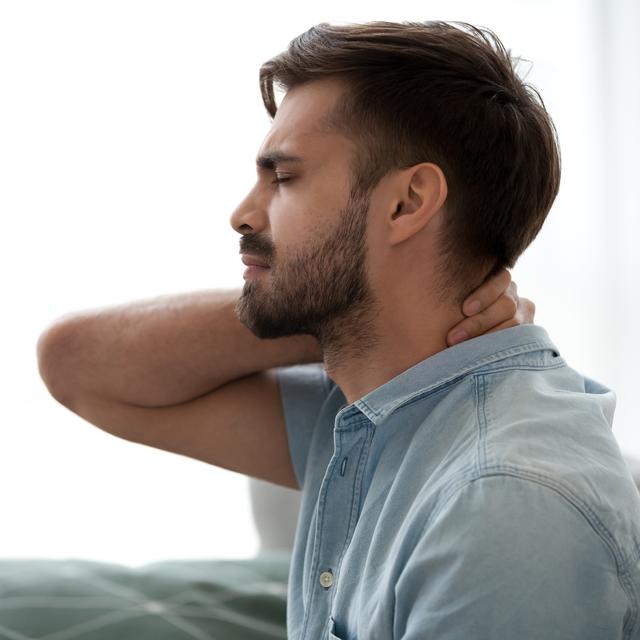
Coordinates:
256 261
254 270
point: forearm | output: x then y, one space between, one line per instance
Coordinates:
160 351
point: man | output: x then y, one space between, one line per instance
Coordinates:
466 492
441 484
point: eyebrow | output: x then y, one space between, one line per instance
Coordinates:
272 159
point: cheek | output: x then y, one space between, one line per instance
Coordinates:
288 221
297 218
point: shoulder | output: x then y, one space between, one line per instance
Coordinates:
518 548
553 429
515 499
505 523
543 515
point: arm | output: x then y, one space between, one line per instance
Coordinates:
180 373
160 351
509 558
170 349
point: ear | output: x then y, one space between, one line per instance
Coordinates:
422 192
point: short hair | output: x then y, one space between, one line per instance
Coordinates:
434 92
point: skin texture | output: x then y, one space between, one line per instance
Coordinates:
354 274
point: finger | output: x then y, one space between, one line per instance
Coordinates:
502 310
507 324
524 315
486 294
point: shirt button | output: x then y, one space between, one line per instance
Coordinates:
326 579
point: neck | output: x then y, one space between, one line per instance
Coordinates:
367 349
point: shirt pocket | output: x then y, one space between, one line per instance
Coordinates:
332 630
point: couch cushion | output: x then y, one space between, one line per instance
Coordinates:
231 599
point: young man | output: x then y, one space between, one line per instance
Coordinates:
465 491
474 491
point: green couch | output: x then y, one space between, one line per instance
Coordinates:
202 599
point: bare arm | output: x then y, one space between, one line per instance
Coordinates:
181 373
174 348
160 351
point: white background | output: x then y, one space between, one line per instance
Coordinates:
128 132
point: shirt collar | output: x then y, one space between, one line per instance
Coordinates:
447 365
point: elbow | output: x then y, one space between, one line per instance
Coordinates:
53 356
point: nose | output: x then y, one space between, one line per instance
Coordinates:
250 215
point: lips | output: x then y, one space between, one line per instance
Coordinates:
254 261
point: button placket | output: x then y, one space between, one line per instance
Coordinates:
333 494
335 502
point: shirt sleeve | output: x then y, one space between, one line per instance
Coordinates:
303 390
509 558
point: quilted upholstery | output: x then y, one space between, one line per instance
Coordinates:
65 599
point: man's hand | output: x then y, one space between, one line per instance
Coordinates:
493 306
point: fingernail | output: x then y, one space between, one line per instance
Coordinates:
459 336
473 307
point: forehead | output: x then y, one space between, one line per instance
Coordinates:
301 125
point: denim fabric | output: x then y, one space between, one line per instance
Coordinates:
479 494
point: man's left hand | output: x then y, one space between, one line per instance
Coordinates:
493 306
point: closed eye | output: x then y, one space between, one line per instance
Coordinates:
279 180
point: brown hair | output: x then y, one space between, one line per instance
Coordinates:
433 92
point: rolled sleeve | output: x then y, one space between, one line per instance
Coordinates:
303 390
508 557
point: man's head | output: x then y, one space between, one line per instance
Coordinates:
423 152
309 229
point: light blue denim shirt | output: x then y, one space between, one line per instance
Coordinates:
480 494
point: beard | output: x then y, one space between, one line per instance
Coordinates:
322 290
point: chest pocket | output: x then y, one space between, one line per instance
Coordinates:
332 630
